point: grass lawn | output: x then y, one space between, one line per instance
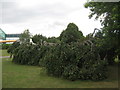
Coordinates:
21 76
4 53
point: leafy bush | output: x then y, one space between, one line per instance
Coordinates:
38 39
71 72
73 57
29 54
75 61
13 47
106 49
71 34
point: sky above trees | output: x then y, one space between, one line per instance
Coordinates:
46 17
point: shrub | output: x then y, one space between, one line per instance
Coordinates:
29 54
74 57
75 61
71 72
71 34
12 48
54 68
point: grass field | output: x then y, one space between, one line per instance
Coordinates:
4 53
21 76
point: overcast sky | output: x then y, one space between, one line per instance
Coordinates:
46 17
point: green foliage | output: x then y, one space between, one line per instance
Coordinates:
12 48
111 26
25 36
105 48
71 72
109 10
71 34
38 39
53 40
74 62
74 58
29 54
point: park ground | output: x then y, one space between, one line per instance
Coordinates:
23 76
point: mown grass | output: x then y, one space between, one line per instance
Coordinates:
4 53
22 76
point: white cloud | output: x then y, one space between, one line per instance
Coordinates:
45 17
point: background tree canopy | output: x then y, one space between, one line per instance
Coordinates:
25 36
38 39
71 34
109 15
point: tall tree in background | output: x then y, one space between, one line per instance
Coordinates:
109 15
39 39
25 36
71 34
53 40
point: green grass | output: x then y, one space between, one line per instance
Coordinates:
22 76
4 53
